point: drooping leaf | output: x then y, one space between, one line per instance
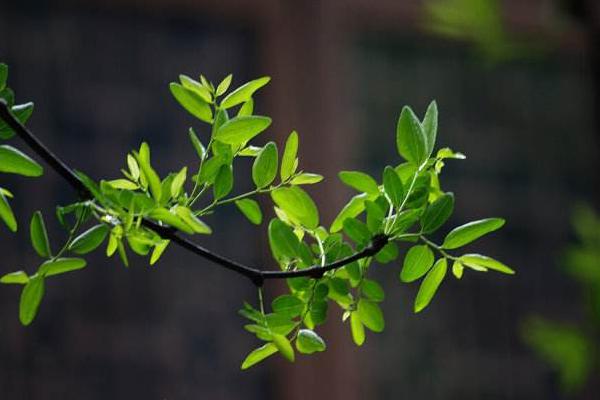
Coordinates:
244 92
31 297
370 315
259 355
6 213
309 342
239 130
437 213
430 284
15 162
250 209
467 233
410 138
38 235
192 102
284 346
3 75
298 205
359 181
61 265
357 328
265 166
417 262
159 249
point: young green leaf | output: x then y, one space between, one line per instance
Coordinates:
478 260
259 355
165 216
393 186
352 209
283 345
467 233
388 253
123 184
457 269
223 182
372 290
15 162
430 284
410 138
18 278
288 305
239 130
178 181
283 241
417 262
359 181
437 213
247 108
203 91
357 231
134 168
61 265
289 156
31 297
370 315
143 159
21 111
309 342
244 92
306 178
265 165
357 328
430 126
89 240
250 209
197 225
3 75
192 102
224 85
6 213
38 235
298 205
159 249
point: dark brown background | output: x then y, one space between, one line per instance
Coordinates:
341 70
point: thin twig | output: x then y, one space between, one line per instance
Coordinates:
256 275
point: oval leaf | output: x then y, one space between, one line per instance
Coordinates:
438 213
239 130
309 342
467 233
410 138
89 240
298 205
244 92
38 235
288 160
31 297
250 209
417 262
258 355
264 169
15 162
191 102
359 181
61 265
430 284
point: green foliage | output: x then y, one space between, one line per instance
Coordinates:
406 205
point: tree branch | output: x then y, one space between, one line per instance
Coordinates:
257 276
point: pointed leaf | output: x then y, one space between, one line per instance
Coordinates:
417 262
38 235
289 156
244 92
430 284
264 169
359 181
259 355
15 162
250 209
410 138
467 233
438 213
31 297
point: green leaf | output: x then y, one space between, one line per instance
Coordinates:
393 186
178 182
244 92
224 85
247 108
133 166
264 169
357 231
3 75
298 205
375 216
437 213
165 216
143 159
467 233
196 87
283 345
197 225
430 126
357 328
38 235
6 213
288 305
191 102
124 184
198 146
478 260
306 178
457 269
159 249
61 265
259 355
89 240
309 342
21 111
223 182
410 138
388 253
18 277
447 152
372 290
288 160
417 262
283 241
15 162
430 284
353 208
31 297
250 209
370 315
359 181
239 130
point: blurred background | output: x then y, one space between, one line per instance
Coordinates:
517 83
